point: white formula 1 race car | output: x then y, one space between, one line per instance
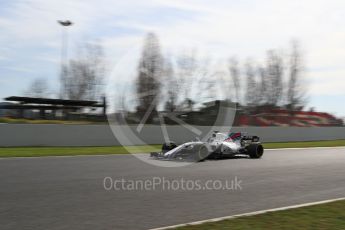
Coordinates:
218 146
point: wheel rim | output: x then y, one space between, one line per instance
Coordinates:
202 153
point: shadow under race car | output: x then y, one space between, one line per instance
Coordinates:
218 146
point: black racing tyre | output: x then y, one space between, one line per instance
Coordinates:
167 146
255 151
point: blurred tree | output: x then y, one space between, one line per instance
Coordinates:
274 78
235 77
296 91
208 90
38 88
171 87
186 71
196 79
83 78
251 91
205 80
148 82
262 87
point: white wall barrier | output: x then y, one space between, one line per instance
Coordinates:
101 135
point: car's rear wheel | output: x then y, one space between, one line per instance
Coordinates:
255 150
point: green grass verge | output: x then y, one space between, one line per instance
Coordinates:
317 217
8 120
69 151
304 144
72 151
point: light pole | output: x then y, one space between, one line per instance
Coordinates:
64 50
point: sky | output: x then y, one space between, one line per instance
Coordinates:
30 37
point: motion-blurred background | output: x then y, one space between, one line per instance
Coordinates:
278 64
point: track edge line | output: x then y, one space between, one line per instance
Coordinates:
249 214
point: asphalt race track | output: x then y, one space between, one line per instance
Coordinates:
68 193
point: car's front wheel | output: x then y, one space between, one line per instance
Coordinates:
201 154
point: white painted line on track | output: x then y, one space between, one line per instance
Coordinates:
249 214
